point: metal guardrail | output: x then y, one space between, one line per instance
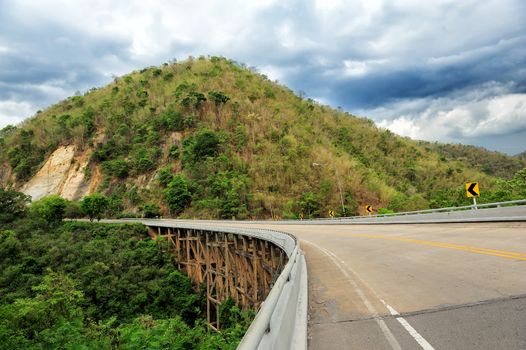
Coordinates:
281 321
437 210
483 212
498 211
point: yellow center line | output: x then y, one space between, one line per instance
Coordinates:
467 248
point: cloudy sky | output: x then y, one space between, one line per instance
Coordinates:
451 71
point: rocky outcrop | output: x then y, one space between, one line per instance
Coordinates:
50 178
75 185
63 173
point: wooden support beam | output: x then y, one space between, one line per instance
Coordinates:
232 266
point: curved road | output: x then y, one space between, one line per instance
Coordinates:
447 286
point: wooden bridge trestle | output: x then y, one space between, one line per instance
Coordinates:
231 265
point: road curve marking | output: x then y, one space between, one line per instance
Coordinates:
416 336
372 310
467 248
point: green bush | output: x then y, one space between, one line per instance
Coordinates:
13 205
310 205
95 205
50 208
174 152
177 194
151 211
73 210
385 211
218 97
203 144
116 167
165 176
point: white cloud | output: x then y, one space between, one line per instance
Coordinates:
4 49
360 68
461 117
13 112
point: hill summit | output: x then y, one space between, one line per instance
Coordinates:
209 138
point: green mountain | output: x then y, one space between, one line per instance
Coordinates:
488 162
209 138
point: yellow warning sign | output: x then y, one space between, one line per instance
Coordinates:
369 208
331 213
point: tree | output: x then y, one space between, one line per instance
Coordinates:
73 210
200 146
165 176
218 97
95 205
151 210
13 205
177 194
50 208
310 204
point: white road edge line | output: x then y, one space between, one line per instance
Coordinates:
419 339
381 323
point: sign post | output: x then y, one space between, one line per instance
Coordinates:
473 191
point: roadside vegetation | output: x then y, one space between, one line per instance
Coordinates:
82 285
211 138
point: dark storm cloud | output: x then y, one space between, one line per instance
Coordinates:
404 64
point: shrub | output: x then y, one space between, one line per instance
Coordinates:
205 143
218 97
165 176
50 208
151 210
174 152
116 167
310 204
13 205
385 211
73 210
95 205
177 194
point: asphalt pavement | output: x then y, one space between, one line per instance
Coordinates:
447 286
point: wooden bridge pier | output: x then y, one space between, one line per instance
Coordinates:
231 265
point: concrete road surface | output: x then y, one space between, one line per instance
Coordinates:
447 286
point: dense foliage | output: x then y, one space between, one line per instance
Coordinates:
489 162
79 285
210 138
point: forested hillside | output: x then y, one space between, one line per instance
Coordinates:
488 162
80 285
209 138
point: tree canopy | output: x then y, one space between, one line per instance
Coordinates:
95 205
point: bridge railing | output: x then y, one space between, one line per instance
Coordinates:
488 212
436 210
281 321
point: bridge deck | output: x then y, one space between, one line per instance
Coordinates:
455 286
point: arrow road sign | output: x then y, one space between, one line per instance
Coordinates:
331 213
472 189
369 208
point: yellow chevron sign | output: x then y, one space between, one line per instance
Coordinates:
331 213
472 189
369 208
